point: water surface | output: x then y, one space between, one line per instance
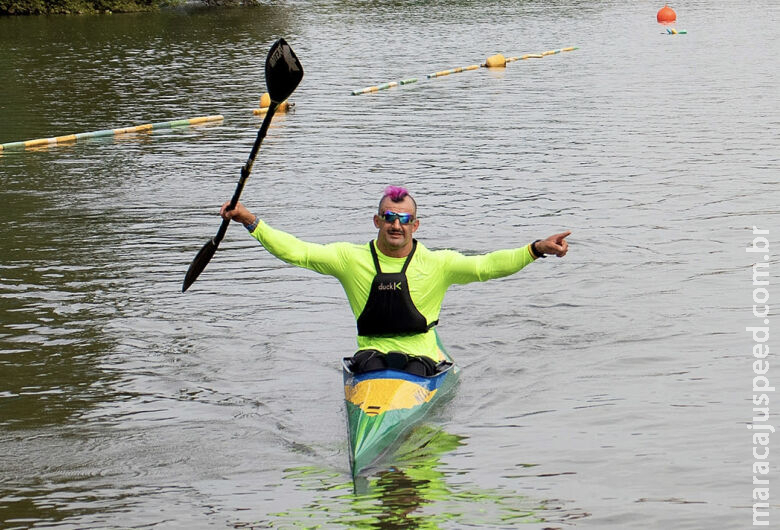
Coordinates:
607 389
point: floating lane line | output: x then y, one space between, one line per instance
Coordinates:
71 138
493 61
454 71
384 86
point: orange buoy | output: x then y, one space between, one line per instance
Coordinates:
666 14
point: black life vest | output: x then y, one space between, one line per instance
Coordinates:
389 309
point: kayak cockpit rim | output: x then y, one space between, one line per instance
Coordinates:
441 367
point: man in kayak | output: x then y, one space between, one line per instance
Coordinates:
394 284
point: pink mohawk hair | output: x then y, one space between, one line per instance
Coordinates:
396 193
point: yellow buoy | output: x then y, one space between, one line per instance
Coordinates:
496 61
265 100
283 107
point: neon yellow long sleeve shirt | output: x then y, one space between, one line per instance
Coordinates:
430 274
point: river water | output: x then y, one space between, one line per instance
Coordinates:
609 389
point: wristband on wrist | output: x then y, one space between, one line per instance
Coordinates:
536 252
251 226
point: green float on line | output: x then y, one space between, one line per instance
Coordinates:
70 138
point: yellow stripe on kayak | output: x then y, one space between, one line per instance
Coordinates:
376 396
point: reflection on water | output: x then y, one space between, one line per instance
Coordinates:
53 304
416 491
92 71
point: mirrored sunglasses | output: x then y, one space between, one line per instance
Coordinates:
403 218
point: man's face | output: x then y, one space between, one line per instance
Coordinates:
393 235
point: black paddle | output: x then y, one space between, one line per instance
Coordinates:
283 72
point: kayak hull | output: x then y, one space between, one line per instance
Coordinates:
383 405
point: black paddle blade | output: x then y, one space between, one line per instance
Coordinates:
283 71
202 259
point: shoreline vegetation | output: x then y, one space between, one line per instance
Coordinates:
80 7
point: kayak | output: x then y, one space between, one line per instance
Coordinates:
383 405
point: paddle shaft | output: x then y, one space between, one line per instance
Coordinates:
283 72
246 170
